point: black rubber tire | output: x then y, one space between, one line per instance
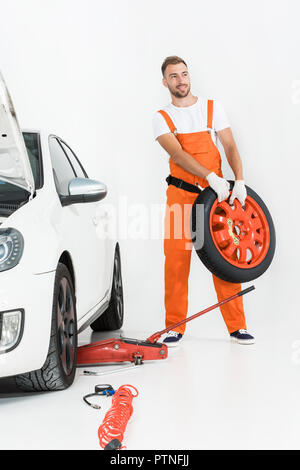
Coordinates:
112 318
209 254
52 375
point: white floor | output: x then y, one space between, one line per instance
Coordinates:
208 394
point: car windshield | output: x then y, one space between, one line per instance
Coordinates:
11 194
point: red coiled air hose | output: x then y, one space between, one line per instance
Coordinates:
113 426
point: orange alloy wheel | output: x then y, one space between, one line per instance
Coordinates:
241 234
235 243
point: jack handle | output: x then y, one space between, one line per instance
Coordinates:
155 337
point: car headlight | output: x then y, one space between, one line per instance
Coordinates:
11 328
11 248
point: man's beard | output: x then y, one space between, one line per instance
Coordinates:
179 94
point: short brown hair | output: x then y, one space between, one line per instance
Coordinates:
172 59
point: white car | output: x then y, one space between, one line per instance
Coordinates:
59 271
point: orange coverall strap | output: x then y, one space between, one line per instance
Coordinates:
210 108
169 121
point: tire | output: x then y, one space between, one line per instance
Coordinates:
212 254
112 318
59 369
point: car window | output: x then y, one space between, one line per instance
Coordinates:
79 170
32 144
62 170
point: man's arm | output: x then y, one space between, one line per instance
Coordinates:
190 164
182 158
231 151
239 190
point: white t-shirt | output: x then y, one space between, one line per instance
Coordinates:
190 118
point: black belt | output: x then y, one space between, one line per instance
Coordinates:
183 184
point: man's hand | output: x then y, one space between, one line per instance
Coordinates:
239 191
220 185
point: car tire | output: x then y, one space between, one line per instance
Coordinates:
210 243
112 318
59 369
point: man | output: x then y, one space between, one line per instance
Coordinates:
185 129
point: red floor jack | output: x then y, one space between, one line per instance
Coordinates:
133 350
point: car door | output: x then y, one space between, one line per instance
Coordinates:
81 233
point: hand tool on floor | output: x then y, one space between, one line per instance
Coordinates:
120 369
134 350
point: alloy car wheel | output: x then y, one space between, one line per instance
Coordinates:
66 326
118 287
112 318
59 369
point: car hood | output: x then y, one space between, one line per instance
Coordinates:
14 161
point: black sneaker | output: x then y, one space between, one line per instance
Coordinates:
172 339
242 337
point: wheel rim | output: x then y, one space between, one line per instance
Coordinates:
66 326
118 287
241 234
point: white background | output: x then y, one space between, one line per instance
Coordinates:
90 72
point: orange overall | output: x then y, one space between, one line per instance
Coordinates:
177 240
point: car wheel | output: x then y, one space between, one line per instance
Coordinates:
235 243
58 372
112 318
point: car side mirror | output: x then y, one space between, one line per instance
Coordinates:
84 190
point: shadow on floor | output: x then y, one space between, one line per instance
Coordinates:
9 389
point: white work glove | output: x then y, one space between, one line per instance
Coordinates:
239 191
220 185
